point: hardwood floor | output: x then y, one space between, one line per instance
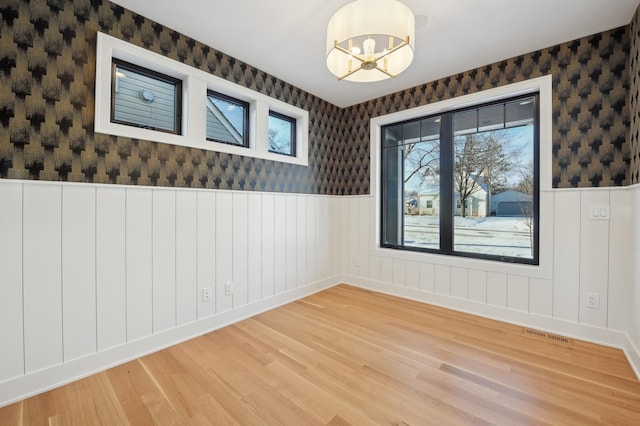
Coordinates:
347 356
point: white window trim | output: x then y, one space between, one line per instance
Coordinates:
195 84
544 270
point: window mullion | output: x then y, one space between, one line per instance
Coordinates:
446 183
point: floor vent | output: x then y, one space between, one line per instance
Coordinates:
547 336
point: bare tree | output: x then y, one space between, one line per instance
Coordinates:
421 158
481 158
526 208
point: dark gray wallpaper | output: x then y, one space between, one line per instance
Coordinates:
47 72
634 102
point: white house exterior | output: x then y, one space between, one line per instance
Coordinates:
429 200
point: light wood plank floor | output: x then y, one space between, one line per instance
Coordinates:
347 356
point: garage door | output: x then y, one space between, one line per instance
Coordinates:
513 208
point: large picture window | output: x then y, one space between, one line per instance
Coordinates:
464 182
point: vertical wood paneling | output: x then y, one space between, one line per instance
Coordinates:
164 260
413 275
621 260
323 227
477 286
442 279
224 252
268 245
594 256
459 283
352 229
427 277
566 263
497 289
254 250
386 270
139 263
240 249
364 213
206 248
518 293
399 276
186 257
291 242
42 276
280 242
341 247
540 297
311 239
111 271
374 268
301 243
78 270
11 315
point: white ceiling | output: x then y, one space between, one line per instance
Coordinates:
286 38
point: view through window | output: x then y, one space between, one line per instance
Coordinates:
464 182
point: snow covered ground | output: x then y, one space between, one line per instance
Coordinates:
502 236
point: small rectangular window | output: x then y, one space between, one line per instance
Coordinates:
282 134
227 119
144 98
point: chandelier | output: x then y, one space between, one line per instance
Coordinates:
370 40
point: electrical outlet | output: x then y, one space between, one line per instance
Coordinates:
206 294
593 300
228 288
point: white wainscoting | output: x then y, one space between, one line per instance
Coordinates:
95 275
588 256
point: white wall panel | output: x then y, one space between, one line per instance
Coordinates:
566 264
280 243
413 275
42 276
340 247
594 256
497 289
139 233
386 269
518 293
477 286
206 251
353 231
540 297
78 270
111 272
374 268
292 242
240 248
427 277
459 282
621 259
323 238
311 242
224 249
301 244
186 257
267 241
254 249
164 260
442 283
11 315
399 273
364 240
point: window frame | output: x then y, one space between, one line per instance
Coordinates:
447 139
195 83
543 85
246 124
177 83
292 134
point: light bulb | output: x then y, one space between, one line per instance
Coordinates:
369 46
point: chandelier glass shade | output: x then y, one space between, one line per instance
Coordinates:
370 40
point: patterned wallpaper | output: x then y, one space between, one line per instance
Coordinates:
47 72
590 110
634 102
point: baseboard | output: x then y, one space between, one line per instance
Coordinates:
633 355
22 387
602 336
